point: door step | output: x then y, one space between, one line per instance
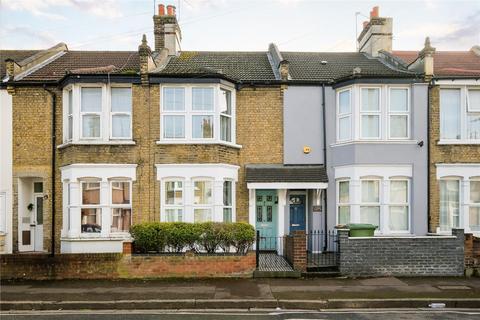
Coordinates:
277 274
322 274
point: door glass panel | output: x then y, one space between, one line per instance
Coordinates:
269 214
259 214
39 210
38 187
269 198
259 198
26 241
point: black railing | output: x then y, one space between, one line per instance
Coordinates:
322 249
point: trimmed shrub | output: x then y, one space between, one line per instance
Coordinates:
180 236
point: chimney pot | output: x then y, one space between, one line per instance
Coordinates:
374 12
170 10
161 9
365 23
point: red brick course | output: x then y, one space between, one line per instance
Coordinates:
115 266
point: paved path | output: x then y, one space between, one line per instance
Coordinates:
244 315
257 289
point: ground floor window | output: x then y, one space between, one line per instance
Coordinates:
368 194
97 200
197 192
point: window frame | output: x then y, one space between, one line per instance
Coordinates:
347 204
175 207
202 206
228 116
189 113
363 113
471 204
230 206
394 204
98 206
341 116
113 206
391 113
113 113
459 180
98 113
464 114
372 204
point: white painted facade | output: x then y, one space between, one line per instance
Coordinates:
6 169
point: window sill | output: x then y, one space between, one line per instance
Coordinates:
112 237
344 143
192 142
459 142
97 143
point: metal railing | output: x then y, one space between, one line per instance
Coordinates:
322 248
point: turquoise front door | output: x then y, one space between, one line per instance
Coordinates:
266 218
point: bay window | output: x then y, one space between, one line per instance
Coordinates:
97 113
197 192
379 112
474 205
197 114
459 114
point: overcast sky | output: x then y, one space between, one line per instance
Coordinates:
294 25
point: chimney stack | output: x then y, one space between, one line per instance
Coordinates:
166 30
376 34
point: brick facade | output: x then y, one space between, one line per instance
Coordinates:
443 154
259 127
402 256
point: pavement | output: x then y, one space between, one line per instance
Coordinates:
246 294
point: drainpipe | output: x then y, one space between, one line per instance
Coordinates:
324 162
430 86
53 163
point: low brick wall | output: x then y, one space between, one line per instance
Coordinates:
472 255
402 256
115 266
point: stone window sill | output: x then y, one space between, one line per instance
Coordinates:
344 143
97 143
189 142
459 142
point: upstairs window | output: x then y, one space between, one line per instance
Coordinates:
460 114
197 114
373 112
97 113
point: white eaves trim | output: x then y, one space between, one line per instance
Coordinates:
287 185
218 171
356 172
464 170
458 82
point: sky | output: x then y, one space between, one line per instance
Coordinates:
236 25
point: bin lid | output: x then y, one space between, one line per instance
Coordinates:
361 226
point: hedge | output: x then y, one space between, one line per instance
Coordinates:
178 237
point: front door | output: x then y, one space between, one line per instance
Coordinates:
297 212
38 222
266 219
31 218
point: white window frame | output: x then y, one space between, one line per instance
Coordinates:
232 184
226 115
398 113
175 207
471 204
394 204
69 114
118 205
464 112
91 206
373 204
460 197
370 113
189 113
113 113
210 206
338 204
105 116
345 115
469 109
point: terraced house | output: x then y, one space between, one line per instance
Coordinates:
287 141
454 129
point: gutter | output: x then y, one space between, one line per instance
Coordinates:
324 162
53 164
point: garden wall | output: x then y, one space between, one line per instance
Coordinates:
115 266
472 255
402 255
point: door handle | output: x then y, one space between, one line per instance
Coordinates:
295 225
32 225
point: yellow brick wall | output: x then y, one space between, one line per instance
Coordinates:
259 130
443 154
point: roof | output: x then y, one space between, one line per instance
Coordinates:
285 173
448 63
16 55
308 66
91 62
243 66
